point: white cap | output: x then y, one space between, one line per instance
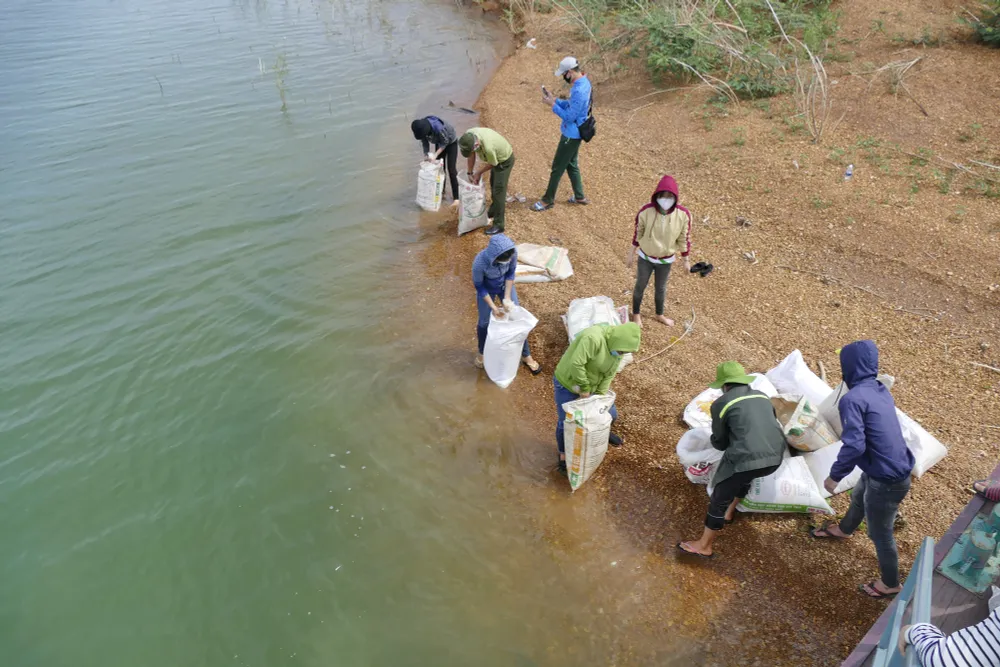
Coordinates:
567 63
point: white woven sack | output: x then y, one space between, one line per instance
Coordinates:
504 341
430 185
472 207
587 427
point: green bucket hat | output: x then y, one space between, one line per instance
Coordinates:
730 372
467 144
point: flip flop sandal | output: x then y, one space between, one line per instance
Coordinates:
700 266
874 593
582 202
707 270
825 527
540 206
990 490
478 363
534 371
692 553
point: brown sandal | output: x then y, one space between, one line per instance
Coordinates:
826 529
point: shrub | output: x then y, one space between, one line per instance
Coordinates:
986 28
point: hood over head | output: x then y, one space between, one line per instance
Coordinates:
499 244
421 128
624 337
666 184
859 362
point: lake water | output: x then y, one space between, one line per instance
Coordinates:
216 447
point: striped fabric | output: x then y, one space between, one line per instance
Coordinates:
656 260
975 646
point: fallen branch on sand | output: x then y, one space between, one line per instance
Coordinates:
688 327
830 278
979 365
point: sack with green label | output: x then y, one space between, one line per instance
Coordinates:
790 488
587 426
804 428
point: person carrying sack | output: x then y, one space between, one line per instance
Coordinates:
745 428
445 141
873 441
574 112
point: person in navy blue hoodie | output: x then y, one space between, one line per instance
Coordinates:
493 272
873 441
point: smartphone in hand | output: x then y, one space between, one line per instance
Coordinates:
545 92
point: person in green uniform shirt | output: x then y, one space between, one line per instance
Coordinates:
746 430
495 156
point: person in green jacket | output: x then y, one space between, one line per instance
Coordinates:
587 367
745 428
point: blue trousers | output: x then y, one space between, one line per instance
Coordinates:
564 395
483 325
876 502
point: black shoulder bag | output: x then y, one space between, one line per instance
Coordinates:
588 128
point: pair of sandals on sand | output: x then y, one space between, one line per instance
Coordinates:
987 488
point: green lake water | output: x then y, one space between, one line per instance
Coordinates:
211 451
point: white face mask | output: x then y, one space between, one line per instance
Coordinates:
666 203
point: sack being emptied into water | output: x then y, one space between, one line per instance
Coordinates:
504 341
587 425
472 208
430 185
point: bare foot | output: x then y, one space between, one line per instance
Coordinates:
694 548
532 365
731 513
454 204
637 318
663 319
478 363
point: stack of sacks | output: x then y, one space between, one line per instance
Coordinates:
788 489
807 410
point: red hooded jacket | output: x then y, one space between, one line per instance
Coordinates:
667 184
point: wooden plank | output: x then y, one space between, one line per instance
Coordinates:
953 607
965 610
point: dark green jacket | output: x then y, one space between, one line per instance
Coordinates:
745 427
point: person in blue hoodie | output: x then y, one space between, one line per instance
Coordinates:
493 277
873 441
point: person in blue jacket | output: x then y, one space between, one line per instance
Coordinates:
493 277
873 441
573 112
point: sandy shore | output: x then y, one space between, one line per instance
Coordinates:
888 255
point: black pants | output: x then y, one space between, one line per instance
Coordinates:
728 490
450 157
642 279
